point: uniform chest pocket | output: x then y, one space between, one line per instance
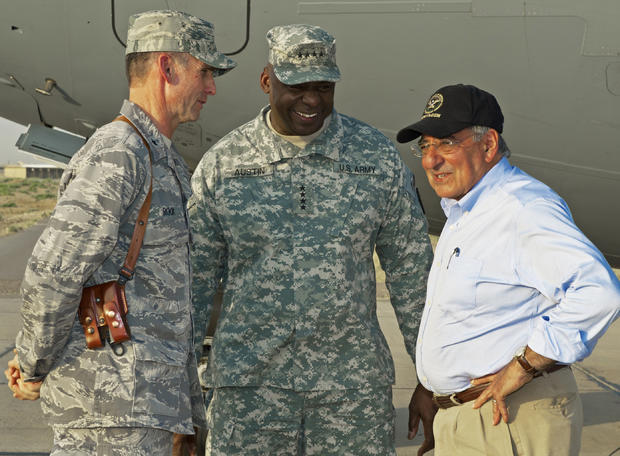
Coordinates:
351 204
251 207
456 296
167 224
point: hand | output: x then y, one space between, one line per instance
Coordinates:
27 391
422 407
12 372
21 390
509 379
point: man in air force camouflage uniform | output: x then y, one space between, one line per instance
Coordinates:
98 402
288 208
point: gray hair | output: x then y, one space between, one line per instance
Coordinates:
137 63
502 147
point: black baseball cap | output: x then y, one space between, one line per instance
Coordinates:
453 108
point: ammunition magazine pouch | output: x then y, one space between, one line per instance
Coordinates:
102 313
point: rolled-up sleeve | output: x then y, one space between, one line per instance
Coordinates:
555 257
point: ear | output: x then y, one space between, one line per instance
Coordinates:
165 65
265 80
490 141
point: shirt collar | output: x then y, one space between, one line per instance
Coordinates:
276 148
160 145
299 141
493 177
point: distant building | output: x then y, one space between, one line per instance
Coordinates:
23 171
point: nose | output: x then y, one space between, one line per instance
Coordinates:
210 84
432 158
311 98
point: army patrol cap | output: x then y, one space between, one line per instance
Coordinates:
453 108
175 31
302 53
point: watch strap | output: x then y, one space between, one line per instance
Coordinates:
525 364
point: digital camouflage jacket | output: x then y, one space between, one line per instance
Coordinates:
292 232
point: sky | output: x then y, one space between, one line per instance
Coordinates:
9 153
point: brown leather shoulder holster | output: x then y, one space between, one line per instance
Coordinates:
103 307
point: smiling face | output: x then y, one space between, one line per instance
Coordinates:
297 110
453 173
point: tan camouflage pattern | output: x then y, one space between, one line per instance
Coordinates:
175 31
275 422
292 232
302 53
155 383
112 442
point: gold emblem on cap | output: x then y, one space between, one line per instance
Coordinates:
434 103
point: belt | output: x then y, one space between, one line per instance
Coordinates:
450 400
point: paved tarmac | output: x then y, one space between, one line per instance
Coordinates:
23 430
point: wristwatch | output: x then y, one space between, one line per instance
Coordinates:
522 360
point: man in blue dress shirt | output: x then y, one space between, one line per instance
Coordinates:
515 295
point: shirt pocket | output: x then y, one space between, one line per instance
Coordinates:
251 207
158 388
349 203
161 377
457 289
167 223
365 212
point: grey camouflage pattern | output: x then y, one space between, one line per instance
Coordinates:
112 442
175 31
292 233
155 383
276 422
302 53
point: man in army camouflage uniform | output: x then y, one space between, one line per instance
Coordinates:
98 402
288 210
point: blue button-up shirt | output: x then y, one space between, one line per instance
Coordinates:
510 269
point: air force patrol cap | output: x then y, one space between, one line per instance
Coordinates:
175 31
302 53
453 108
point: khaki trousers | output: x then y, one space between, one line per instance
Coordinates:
546 418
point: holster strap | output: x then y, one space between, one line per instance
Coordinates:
127 270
